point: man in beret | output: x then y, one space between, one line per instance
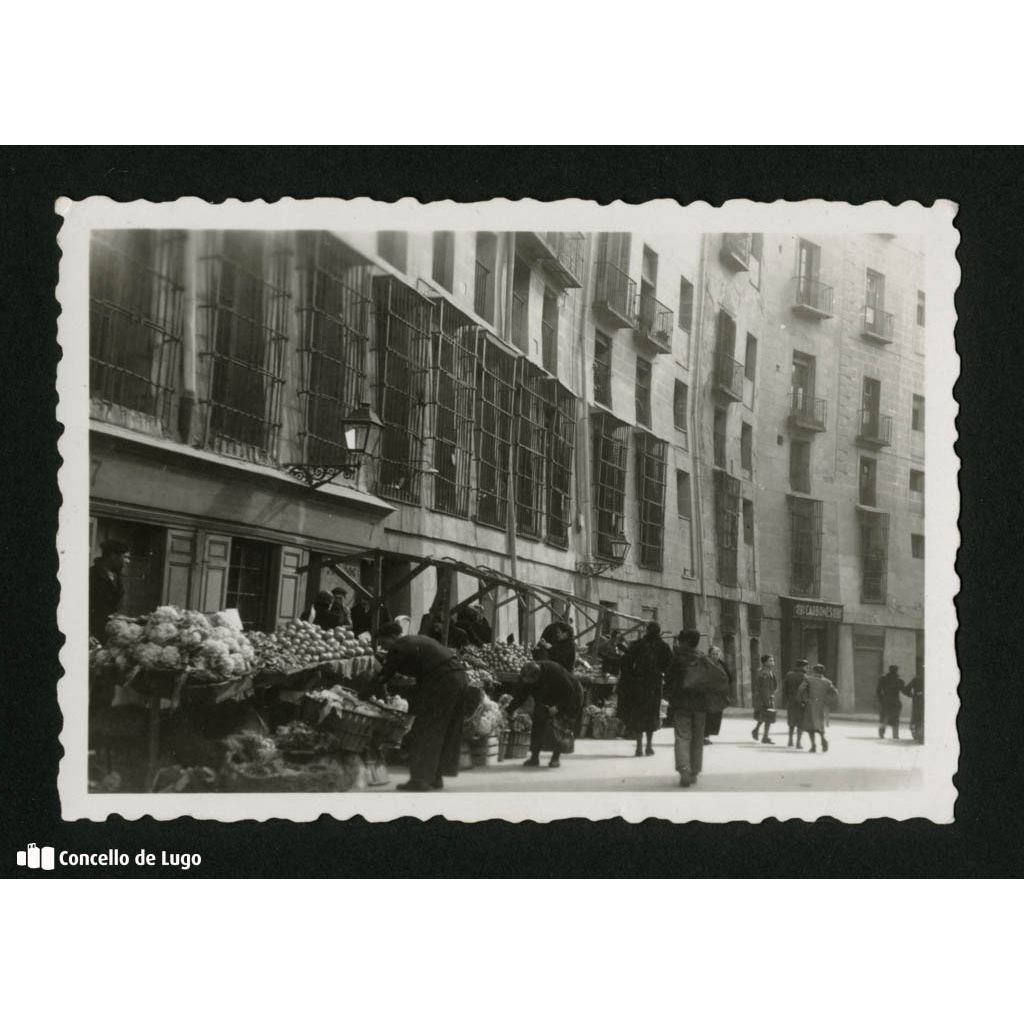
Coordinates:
106 589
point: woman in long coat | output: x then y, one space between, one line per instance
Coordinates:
717 702
639 689
813 692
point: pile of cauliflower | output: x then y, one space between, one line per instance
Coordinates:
211 647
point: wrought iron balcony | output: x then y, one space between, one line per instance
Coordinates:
561 254
736 250
729 376
616 294
812 298
875 430
878 325
806 412
655 322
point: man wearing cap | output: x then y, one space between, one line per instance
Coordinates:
106 589
889 703
340 610
791 701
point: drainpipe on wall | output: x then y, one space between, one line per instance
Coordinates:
510 244
583 488
694 421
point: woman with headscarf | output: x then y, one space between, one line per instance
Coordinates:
718 702
640 685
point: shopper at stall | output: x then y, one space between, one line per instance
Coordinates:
473 623
106 588
436 700
763 697
559 643
717 705
813 692
361 615
610 650
640 685
557 699
340 608
791 701
888 691
322 613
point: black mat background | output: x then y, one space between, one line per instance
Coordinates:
987 836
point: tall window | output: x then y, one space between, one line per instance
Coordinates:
453 340
136 320
610 440
747 448
495 420
718 436
248 589
874 555
403 328
750 363
748 522
802 380
917 413
561 429
684 498
603 369
651 465
246 306
484 277
875 295
443 270
805 525
521 306
809 260
680 401
549 333
800 466
685 304
917 545
727 516
920 309
334 338
392 245
917 483
867 482
643 391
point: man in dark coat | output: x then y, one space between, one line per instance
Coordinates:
322 613
437 701
915 691
791 684
106 588
686 708
560 642
362 615
763 697
640 684
889 704
555 692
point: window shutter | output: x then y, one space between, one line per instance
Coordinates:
289 588
179 561
216 562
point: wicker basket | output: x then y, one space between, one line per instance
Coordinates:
391 729
352 729
484 753
518 745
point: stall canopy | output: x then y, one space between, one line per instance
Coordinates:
531 596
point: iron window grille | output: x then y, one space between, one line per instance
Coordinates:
495 417
136 321
531 450
643 391
561 449
727 517
874 555
603 369
805 528
334 338
453 341
651 471
615 291
403 325
611 443
245 307
521 307
249 579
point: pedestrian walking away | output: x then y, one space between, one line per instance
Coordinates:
813 692
436 700
791 701
557 700
640 685
692 678
717 705
915 691
765 686
890 686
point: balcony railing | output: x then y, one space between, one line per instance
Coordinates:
729 376
561 254
878 325
812 297
616 294
875 430
655 322
736 250
805 411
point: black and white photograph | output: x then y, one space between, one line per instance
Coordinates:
507 510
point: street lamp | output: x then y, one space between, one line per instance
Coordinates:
618 549
361 431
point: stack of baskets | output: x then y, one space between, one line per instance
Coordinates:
352 728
